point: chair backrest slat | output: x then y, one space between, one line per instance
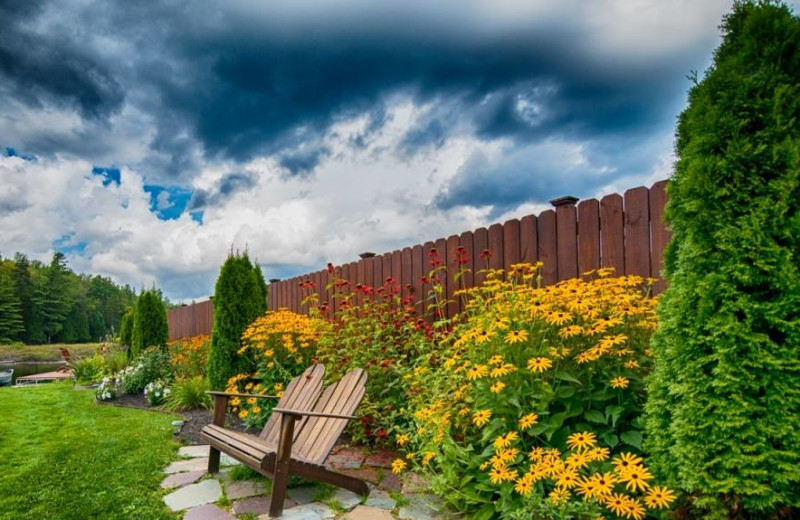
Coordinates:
319 434
300 394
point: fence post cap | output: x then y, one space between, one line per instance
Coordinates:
274 280
367 254
568 200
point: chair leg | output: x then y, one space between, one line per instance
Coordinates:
282 461
213 460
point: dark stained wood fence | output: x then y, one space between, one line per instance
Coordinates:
190 320
626 232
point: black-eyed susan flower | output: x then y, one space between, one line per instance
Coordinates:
626 461
539 364
524 484
516 336
659 497
635 477
635 509
403 439
620 382
528 420
497 387
617 503
567 479
481 417
581 440
398 465
559 496
477 372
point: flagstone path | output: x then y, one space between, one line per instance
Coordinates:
220 497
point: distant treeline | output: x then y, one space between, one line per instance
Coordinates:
42 303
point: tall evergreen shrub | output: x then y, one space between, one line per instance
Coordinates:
723 414
10 311
126 327
238 301
149 323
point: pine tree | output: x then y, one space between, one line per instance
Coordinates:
126 328
238 301
52 299
25 289
10 311
722 413
150 323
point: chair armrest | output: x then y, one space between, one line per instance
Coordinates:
231 394
312 414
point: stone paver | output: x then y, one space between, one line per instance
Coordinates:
381 500
302 494
421 507
368 513
346 458
208 512
258 505
367 474
244 489
200 450
413 483
205 492
314 511
347 499
391 482
187 465
381 459
182 479
225 460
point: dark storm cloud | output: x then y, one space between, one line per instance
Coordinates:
227 186
47 67
234 82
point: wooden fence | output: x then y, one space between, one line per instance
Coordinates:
626 232
190 320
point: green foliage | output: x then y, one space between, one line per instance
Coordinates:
722 410
126 327
10 312
90 369
262 286
65 458
59 305
149 323
238 300
151 366
188 394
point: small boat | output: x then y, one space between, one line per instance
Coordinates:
5 376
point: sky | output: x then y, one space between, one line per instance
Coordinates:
148 140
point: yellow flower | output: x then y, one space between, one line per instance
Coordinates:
635 477
659 497
620 382
567 479
524 484
559 496
626 461
603 483
502 370
528 420
243 414
428 457
581 440
256 410
516 336
617 503
398 466
505 440
577 460
251 400
632 364
558 318
477 372
481 417
539 364
498 387
278 387
635 509
598 454
496 360
403 439
236 401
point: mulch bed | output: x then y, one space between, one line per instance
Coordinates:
193 420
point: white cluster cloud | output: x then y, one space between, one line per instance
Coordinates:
359 199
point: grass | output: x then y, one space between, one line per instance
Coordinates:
65 458
43 353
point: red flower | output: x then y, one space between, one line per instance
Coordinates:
485 254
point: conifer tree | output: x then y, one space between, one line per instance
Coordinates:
238 301
10 311
24 289
126 328
262 285
722 412
149 324
52 298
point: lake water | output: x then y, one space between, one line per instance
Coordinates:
26 369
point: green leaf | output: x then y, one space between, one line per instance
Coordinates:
610 439
633 438
565 391
566 376
613 412
485 513
595 417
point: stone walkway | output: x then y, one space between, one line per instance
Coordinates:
224 496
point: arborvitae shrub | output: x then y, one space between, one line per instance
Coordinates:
238 301
126 328
723 414
149 323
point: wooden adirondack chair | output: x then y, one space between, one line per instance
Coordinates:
305 439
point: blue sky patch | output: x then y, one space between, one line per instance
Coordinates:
67 245
168 202
11 152
197 216
109 175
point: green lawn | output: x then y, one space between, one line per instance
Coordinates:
43 353
64 457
